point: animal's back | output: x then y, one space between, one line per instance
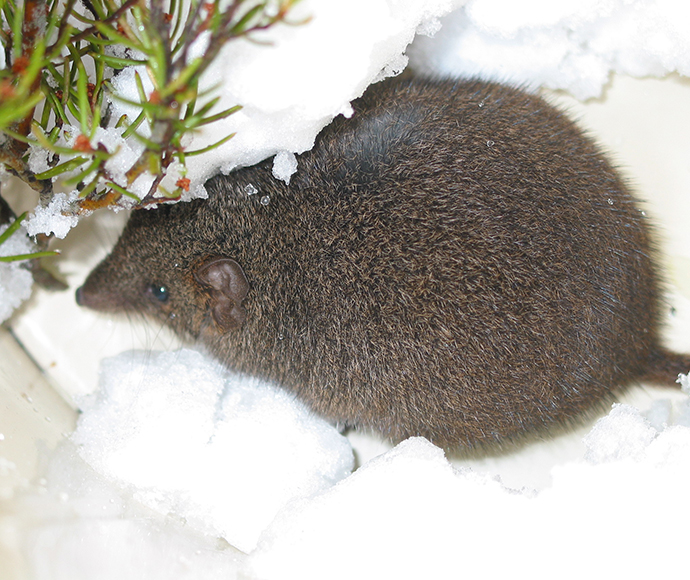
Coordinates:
455 261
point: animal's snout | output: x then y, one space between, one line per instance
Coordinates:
79 296
95 298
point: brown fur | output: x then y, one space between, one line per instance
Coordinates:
455 261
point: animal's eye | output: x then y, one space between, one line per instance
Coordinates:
159 292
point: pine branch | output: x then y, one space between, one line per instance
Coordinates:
55 90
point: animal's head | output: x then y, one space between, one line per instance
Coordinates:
163 267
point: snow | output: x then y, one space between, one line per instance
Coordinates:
414 516
15 280
141 491
309 74
54 218
187 437
173 454
284 165
76 525
572 45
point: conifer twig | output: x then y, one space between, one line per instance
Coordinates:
55 90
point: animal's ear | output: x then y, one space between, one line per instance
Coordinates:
227 286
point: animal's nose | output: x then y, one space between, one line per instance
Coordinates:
94 297
79 295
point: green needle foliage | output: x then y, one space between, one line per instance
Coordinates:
60 56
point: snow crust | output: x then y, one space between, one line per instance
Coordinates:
572 45
284 165
223 452
175 453
54 218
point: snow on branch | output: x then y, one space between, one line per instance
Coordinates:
62 59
